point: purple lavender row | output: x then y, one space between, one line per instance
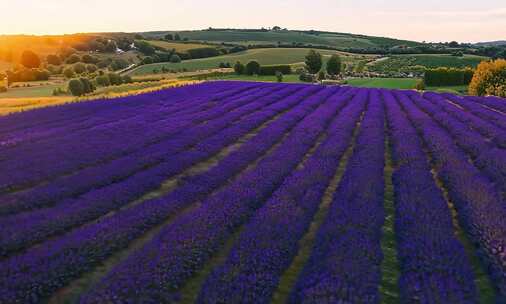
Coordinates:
269 242
22 230
31 166
481 210
83 248
434 265
140 159
145 106
490 159
183 246
146 111
117 170
478 110
492 102
493 133
344 265
49 117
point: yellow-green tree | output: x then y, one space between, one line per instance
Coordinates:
489 79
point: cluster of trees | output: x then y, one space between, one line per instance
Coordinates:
82 86
171 37
254 68
489 79
448 76
314 65
23 75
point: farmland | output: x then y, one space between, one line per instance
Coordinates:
231 191
263 56
407 62
330 39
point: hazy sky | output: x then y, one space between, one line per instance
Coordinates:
430 20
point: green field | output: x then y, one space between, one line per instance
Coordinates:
286 78
338 40
263 56
35 91
387 83
179 47
463 89
405 62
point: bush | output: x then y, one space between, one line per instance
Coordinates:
68 73
253 68
306 77
489 79
279 76
175 58
147 60
448 76
420 85
30 60
272 69
76 87
79 68
239 68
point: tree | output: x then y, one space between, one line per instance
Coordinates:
72 59
175 58
76 87
89 59
239 68
68 72
253 68
119 64
334 65
102 81
145 48
177 37
313 62
169 37
79 68
91 68
30 60
321 75
53 59
87 85
489 79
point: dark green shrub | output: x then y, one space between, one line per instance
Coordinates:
272 69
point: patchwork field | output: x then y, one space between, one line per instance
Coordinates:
247 192
407 62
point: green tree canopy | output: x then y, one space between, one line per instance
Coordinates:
313 62
253 68
334 65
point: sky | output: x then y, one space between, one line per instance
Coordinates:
423 20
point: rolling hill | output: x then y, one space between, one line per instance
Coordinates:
316 38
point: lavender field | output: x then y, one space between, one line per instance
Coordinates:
244 192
